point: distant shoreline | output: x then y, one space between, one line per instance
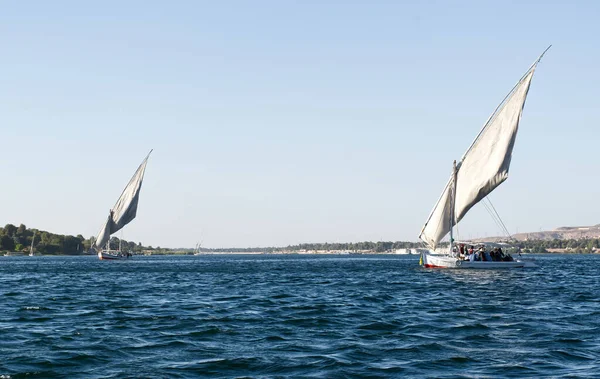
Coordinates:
17 254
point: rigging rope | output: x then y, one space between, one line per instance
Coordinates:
498 225
500 219
494 213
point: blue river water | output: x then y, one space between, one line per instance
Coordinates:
296 316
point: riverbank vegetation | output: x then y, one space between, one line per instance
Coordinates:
575 246
18 239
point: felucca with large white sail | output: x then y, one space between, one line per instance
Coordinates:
482 168
121 214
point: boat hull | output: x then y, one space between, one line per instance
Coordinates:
433 260
103 255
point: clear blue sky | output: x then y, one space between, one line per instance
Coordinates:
281 122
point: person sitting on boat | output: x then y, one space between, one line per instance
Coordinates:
501 255
504 257
485 255
470 256
507 257
461 251
481 253
495 255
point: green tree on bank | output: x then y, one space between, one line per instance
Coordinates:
19 239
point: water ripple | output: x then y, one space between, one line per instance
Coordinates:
296 316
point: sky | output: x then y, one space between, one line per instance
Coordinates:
283 122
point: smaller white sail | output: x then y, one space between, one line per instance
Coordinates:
104 234
125 209
438 223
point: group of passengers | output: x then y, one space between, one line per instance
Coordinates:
470 253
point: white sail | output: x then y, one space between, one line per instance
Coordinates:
125 209
483 167
31 248
438 223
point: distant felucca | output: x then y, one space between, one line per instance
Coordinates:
31 254
197 248
482 168
121 214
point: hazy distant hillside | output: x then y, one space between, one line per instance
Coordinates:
562 233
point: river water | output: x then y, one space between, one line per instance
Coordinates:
296 316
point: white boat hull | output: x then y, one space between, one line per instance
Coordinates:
105 255
434 260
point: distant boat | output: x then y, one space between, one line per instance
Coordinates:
197 249
31 253
120 215
482 168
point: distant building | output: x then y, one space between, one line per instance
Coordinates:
409 251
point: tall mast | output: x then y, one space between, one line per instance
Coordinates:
452 200
108 242
110 213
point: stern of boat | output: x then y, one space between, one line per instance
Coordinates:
430 259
